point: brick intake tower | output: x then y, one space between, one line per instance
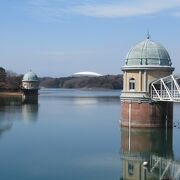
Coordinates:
145 62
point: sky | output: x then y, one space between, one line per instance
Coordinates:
61 37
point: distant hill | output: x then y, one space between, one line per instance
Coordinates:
105 82
10 81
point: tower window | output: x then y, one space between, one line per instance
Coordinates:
132 84
130 168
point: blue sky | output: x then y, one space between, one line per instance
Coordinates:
61 37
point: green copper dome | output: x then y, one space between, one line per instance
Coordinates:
148 53
30 76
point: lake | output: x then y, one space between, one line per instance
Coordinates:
75 134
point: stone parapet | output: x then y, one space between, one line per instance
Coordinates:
135 96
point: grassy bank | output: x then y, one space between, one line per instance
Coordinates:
10 94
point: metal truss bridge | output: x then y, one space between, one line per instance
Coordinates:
166 89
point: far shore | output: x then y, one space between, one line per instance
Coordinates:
10 94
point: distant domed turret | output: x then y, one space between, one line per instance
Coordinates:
30 86
30 76
30 81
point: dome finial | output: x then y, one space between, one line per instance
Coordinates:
148 35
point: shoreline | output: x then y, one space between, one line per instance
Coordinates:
10 94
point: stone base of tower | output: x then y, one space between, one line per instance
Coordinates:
30 99
146 114
30 96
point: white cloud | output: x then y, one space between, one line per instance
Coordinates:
130 8
58 9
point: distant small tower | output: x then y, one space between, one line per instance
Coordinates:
145 62
30 87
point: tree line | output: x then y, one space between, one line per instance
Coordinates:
10 81
106 82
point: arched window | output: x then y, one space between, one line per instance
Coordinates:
132 84
130 168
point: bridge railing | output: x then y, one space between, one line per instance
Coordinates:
166 89
163 95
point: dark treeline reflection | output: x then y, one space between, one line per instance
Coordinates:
10 114
18 99
10 100
148 154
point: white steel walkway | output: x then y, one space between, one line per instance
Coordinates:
166 89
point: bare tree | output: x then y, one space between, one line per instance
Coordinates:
2 79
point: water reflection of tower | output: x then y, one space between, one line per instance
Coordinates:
30 112
140 145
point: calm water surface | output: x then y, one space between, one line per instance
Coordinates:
75 134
